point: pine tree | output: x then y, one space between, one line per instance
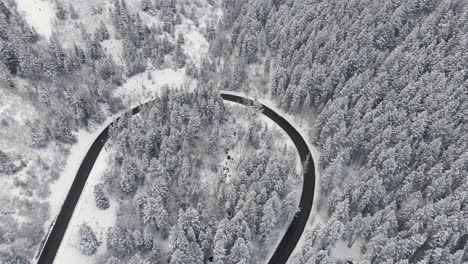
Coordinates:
40 137
296 101
220 241
30 33
60 11
127 182
112 260
178 257
138 239
145 5
102 202
63 132
128 176
180 56
269 219
9 57
73 14
6 165
117 241
101 33
149 242
5 76
307 102
240 253
195 253
94 49
179 245
153 210
88 240
137 259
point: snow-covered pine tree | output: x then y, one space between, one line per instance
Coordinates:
102 202
73 13
240 252
88 241
60 11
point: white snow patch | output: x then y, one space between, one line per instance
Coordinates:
86 211
114 48
342 252
39 14
196 46
15 107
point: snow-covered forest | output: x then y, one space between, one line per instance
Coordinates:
379 88
383 87
64 75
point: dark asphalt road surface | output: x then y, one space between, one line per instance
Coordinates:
290 238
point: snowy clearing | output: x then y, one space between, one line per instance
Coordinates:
196 46
342 252
39 14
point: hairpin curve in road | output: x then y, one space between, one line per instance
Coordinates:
291 236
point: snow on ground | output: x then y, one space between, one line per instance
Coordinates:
59 189
196 46
114 48
86 211
90 12
15 138
39 14
341 251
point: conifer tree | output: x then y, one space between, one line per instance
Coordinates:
88 240
102 202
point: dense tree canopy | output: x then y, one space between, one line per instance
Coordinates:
387 83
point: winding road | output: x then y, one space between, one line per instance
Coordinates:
290 238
